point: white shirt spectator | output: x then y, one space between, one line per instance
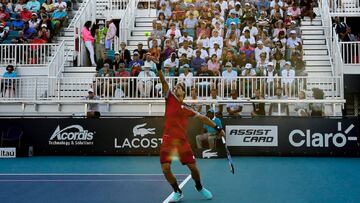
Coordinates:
173 64
218 53
187 79
288 76
252 72
220 20
62 4
205 42
253 30
177 33
146 76
251 39
189 52
204 54
229 76
234 106
292 42
217 39
188 38
258 51
272 4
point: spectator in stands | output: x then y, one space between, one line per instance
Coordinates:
218 107
197 61
105 71
172 63
141 51
232 43
174 31
274 107
292 42
232 19
308 9
25 14
208 134
33 6
125 55
261 49
262 62
288 79
234 108
60 4
204 54
89 41
149 62
216 51
167 51
302 109
216 39
185 49
271 82
17 24
3 33
110 35
294 11
317 109
122 84
248 71
185 37
298 64
9 82
29 33
49 6
229 77
213 65
19 6
145 81
278 60
44 33
45 20
135 69
136 60
34 22
233 29
20 39
103 60
294 27
57 19
247 37
155 51
4 15
190 24
258 107
186 76
340 28
100 34
93 109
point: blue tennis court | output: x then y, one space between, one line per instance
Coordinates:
139 179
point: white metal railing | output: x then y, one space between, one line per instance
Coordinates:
127 22
116 44
350 52
86 12
118 4
344 7
26 54
26 88
133 88
56 65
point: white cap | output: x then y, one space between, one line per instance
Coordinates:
288 63
270 64
232 11
232 23
292 32
248 66
229 64
259 42
247 4
101 22
90 90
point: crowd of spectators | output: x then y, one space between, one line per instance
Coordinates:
32 21
228 39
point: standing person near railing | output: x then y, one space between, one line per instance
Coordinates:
175 142
110 35
100 34
317 109
89 41
8 83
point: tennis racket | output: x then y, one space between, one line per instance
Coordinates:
228 155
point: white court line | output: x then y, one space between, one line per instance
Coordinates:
84 180
182 184
81 174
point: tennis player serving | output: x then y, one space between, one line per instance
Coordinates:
175 142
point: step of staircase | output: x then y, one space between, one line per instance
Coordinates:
316 57
307 32
314 41
314 47
315 52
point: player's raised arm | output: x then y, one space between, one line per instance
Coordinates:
209 122
165 85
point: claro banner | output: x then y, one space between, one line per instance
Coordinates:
290 136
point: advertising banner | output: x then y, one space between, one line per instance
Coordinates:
284 136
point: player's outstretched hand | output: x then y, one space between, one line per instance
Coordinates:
221 133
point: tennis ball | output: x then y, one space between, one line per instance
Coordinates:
147 34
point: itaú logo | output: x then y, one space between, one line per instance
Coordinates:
299 138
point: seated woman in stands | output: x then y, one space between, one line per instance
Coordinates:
9 82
